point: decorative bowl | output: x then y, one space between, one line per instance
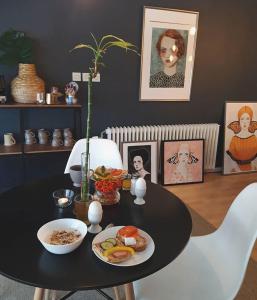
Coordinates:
66 224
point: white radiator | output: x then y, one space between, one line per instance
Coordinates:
208 132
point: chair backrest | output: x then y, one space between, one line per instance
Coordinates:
237 234
102 152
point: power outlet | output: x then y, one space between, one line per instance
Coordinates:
85 77
97 78
76 76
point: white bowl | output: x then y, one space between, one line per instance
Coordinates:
46 230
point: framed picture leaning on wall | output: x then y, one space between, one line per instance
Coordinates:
182 161
240 137
168 51
140 159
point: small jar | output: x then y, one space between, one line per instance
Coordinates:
133 182
126 183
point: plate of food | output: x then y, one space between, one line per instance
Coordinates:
123 246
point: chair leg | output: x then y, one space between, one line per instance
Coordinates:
39 294
116 292
129 291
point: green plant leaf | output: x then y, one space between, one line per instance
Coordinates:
79 46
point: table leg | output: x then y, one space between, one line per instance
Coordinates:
129 291
39 294
116 292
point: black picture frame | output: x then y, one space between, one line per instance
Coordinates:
187 171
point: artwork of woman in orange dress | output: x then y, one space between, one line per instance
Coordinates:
243 145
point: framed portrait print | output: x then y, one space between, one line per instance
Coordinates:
168 51
240 138
182 161
140 159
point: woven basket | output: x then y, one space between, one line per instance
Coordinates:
27 84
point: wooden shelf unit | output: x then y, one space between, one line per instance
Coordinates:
11 150
37 148
16 105
20 148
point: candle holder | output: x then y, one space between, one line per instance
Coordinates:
140 190
63 197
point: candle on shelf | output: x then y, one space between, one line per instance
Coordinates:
63 201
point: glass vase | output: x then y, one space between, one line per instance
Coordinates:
108 198
80 208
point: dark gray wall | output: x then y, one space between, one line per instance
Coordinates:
225 64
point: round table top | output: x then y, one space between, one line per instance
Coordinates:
26 208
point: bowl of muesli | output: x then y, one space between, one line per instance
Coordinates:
63 235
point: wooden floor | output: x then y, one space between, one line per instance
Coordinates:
212 198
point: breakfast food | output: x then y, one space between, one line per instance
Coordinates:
112 250
129 236
63 237
102 172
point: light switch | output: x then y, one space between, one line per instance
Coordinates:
85 76
76 76
97 78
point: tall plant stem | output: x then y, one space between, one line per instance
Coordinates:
85 179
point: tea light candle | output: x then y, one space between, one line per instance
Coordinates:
63 201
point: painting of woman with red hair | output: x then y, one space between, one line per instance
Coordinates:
241 150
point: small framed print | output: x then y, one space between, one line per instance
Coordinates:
182 161
140 159
240 144
168 51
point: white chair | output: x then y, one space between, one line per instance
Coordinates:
103 152
211 267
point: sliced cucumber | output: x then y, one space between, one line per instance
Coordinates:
106 245
112 240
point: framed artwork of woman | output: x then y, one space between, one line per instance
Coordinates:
182 161
168 48
240 144
140 159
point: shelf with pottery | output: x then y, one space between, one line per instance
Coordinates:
15 105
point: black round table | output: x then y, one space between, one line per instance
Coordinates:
26 208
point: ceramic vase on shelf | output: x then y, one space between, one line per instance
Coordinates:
27 84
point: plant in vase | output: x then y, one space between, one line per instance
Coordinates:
98 49
17 49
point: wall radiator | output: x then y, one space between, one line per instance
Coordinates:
208 132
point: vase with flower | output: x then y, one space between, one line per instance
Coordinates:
98 49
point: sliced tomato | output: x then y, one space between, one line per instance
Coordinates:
116 172
128 231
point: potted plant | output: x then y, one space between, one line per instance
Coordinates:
98 49
16 49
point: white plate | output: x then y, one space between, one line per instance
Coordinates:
137 258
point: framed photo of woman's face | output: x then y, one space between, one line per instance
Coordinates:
182 161
140 159
240 138
168 51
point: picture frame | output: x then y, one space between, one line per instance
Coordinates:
140 159
168 52
182 161
240 137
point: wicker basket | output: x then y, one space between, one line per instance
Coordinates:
27 84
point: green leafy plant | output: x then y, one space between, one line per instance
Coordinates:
15 48
99 48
